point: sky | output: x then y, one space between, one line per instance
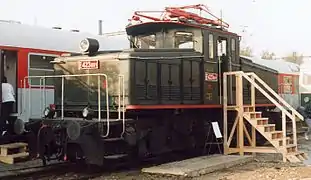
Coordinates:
280 26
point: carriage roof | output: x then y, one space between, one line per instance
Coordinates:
35 37
280 65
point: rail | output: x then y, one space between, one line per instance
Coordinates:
252 78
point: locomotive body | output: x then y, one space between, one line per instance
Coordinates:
161 95
161 78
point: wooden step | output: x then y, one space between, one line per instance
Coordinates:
266 127
275 135
11 159
279 142
292 158
11 152
300 155
253 115
249 108
6 149
291 148
261 121
296 157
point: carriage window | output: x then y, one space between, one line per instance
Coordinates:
145 41
184 40
39 65
287 84
306 79
211 46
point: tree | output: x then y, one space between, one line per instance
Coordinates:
294 58
247 51
267 55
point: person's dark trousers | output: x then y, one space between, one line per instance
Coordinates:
7 108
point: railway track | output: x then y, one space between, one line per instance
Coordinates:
66 171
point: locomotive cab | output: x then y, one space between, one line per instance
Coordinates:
218 48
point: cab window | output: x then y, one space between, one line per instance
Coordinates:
233 49
184 40
145 41
211 46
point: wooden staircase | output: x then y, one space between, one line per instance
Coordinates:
280 143
10 153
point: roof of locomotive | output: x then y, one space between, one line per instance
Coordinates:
176 17
281 65
149 27
35 37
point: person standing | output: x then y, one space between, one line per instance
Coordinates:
8 100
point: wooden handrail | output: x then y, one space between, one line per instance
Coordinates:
266 94
277 96
272 96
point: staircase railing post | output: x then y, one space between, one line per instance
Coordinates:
284 135
253 101
294 130
225 115
253 92
239 100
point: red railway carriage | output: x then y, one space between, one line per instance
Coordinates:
28 51
287 79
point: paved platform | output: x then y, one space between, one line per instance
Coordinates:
198 166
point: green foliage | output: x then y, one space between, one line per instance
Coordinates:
247 51
294 57
267 55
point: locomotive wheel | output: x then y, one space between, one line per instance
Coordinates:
45 139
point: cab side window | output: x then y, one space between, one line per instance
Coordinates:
233 49
211 46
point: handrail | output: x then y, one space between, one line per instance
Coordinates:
265 94
277 100
76 75
121 90
284 111
276 95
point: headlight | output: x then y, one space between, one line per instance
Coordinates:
46 112
87 113
89 45
84 45
49 112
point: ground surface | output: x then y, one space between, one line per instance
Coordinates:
265 167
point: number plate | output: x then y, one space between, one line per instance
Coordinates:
211 77
89 64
